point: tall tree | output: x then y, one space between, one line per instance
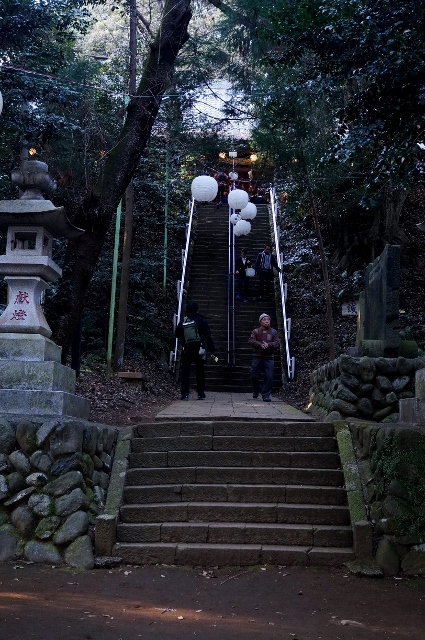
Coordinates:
97 208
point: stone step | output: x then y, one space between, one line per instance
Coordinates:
209 555
46 404
234 428
236 512
240 533
233 443
287 459
154 473
241 493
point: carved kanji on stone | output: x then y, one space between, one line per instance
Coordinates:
19 315
21 297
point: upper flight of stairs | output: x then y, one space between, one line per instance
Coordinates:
228 493
208 285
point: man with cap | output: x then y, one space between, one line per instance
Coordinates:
194 333
264 341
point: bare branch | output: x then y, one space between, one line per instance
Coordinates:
146 24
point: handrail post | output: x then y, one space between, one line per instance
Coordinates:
180 290
290 362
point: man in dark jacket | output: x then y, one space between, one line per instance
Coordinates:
264 265
264 341
241 265
194 333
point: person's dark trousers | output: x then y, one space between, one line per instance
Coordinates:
262 368
266 277
220 194
243 284
191 354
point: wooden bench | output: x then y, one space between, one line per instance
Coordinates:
133 376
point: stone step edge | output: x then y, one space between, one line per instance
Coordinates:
283 526
232 437
244 419
230 555
254 505
236 485
222 469
236 451
225 422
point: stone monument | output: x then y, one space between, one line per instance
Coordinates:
33 381
378 318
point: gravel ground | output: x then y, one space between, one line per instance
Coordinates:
177 603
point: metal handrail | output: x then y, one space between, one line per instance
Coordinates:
180 284
231 296
290 362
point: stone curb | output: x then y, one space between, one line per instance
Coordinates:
106 523
362 528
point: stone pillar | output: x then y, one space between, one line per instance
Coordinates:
33 382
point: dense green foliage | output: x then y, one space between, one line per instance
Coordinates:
334 93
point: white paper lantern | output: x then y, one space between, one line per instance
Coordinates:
233 176
1 103
204 188
249 212
242 228
238 199
234 218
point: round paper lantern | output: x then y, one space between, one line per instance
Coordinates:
234 218
204 188
249 212
238 199
233 176
242 228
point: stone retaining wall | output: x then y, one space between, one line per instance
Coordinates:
54 475
393 472
364 387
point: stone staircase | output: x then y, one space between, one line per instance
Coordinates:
234 493
208 285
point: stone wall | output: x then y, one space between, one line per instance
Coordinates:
393 471
53 480
363 387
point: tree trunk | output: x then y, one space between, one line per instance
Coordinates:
393 205
96 211
323 260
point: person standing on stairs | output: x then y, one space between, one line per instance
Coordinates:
194 333
264 265
241 265
224 184
264 341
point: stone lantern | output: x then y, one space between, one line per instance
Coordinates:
32 380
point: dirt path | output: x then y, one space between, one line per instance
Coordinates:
167 603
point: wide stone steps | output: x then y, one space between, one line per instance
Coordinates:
237 533
227 492
234 493
154 475
286 459
236 512
233 443
200 554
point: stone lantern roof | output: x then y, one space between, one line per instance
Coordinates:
33 180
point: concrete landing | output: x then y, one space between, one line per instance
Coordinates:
227 406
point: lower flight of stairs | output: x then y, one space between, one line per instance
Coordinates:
228 493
